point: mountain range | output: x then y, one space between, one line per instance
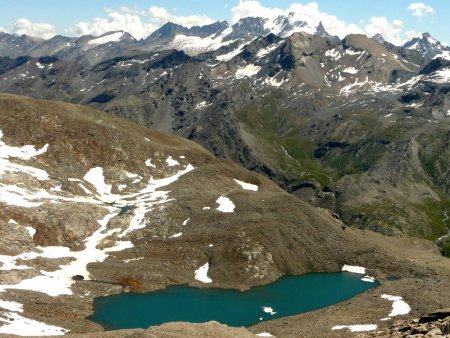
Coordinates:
193 41
343 124
249 151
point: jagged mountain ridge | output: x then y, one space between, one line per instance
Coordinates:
193 40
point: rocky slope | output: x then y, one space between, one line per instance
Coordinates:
93 205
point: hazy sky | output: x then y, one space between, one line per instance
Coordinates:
396 20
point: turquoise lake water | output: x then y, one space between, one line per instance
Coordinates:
287 296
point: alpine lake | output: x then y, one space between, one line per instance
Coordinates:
287 296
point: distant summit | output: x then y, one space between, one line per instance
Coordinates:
379 38
426 45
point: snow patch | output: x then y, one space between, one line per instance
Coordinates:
272 81
269 310
120 246
265 51
22 326
350 70
57 188
225 204
86 190
441 76
333 54
202 105
114 37
443 55
415 105
201 274
232 54
59 282
148 163
354 269
176 235
353 86
11 306
195 45
15 195
414 46
171 162
247 71
8 166
399 306
31 231
368 279
247 186
133 259
26 152
131 175
96 178
352 52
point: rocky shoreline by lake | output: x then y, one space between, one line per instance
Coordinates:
434 324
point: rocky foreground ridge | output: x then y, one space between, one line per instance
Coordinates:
435 324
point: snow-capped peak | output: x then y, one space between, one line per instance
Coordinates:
294 22
426 45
